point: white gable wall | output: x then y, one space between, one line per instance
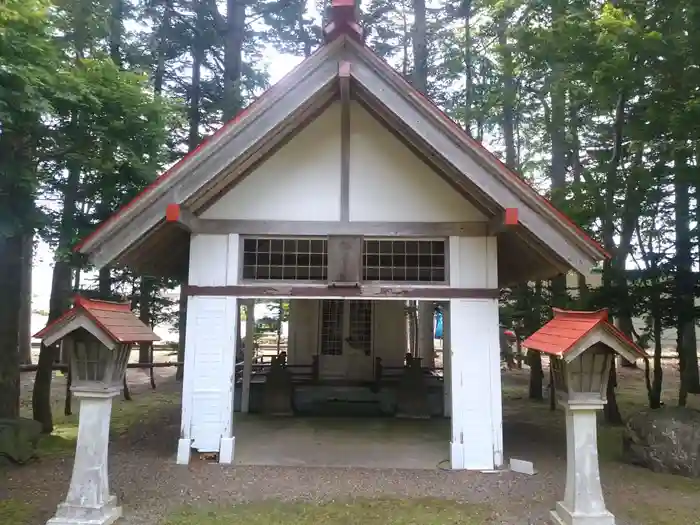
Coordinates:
301 181
389 183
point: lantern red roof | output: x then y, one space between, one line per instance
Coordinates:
115 319
568 327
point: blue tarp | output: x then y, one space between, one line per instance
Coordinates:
438 324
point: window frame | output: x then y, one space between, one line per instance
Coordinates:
241 265
327 281
446 269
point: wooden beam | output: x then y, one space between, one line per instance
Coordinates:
503 221
365 291
344 81
181 217
325 228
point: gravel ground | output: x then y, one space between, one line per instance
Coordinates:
149 484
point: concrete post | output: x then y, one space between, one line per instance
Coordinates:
583 502
446 360
248 355
88 501
426 333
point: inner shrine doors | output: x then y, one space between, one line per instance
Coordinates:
346 339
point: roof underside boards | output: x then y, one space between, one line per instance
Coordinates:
543 245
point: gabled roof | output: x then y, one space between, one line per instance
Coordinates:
240 145
116 321
568 328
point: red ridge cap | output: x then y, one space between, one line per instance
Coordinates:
601 314
343 21
98 304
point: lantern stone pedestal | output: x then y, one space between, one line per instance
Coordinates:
583 502
88 501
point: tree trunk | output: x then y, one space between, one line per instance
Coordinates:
59 302
233 53
159 73
468 66
105 283
25 310
509 94
685 281
145 316
611 411
420 47
656 314
534 361
116 28
11 264
198 52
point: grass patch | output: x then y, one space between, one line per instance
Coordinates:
364 511
13 511
144 406
660 514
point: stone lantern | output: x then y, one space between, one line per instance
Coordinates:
581 347
98 336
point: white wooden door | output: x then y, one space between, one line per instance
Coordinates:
346 340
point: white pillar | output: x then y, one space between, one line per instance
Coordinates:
477 419
426 333
446 361
248 356
88 501
583 502
210 357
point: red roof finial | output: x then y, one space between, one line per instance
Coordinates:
343 20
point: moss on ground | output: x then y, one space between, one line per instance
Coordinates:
364 511
125 414
15 512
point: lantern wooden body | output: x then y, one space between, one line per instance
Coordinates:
582 376
93 364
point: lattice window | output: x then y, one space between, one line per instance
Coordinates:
89 361
415 260
332 326
361 325
285 259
